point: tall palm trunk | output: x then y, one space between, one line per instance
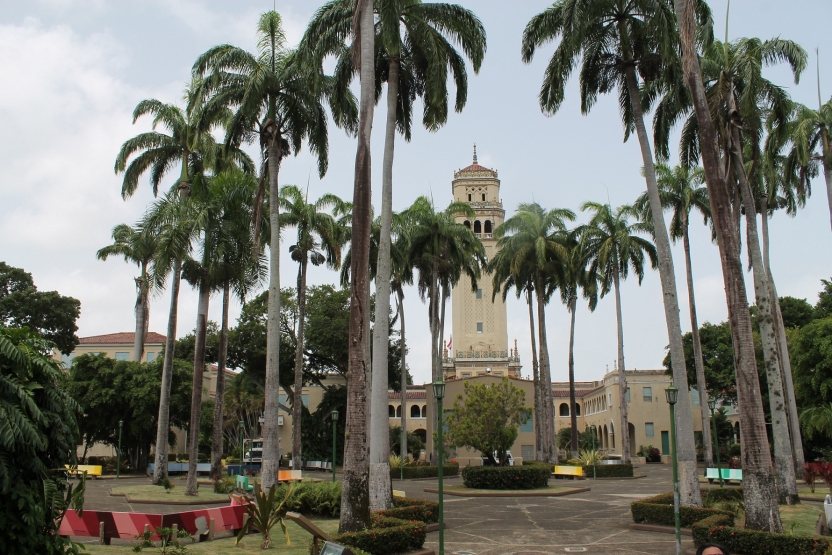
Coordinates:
549 450
297 397
685 445
196 391
271 440
795 435
539 419
355 502
403 347
142 313
784 461
701 386
219 398
573 418
436 364
762 512
381 489
160 469
827 166
622 374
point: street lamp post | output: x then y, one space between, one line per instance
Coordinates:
712 406
593 429
118 461
334 441
672 394
242 445
439 394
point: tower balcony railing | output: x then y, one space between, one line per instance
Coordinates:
486 204
479 355
484 235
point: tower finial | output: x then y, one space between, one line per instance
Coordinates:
475 153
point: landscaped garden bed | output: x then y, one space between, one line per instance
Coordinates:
148 493
506 477
546 491
424 471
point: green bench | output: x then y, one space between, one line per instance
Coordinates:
241 482
727 474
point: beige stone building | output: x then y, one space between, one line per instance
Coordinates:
479 341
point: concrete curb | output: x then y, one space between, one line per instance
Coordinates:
659 528
503 493
424 480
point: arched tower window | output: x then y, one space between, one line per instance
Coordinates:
391 411
487 226
424 411
399 411
467 223
415 412
563 410
577 409
477 227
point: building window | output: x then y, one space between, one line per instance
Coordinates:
563 410
122 356
424 411
151 357
477 226
527 452
467 223
483 197
415 412
304 399
399 411
479 293
466 375
648 394
610 399
694 397
469 198
648 429
498 373
627 394
479 327
527 420
391 411
487 226
577 409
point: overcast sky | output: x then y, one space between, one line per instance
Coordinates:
73 71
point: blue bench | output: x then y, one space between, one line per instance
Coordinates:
727 474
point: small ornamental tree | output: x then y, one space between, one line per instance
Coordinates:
486 418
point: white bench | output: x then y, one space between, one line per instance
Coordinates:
727 474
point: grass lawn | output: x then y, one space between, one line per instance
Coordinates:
821 490
150 492
249 546
800 519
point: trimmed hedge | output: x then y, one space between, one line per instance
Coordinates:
408 508
659 510
386 536
506 477
610 470
755 542
722 494
700 529
424 471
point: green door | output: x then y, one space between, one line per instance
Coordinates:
665 443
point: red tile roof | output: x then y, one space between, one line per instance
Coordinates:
410 394
578 392
122 338
475 167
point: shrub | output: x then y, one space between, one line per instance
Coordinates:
550 466
652 454
264 512
810 475
506 477
659 510
420 471
710 496
700 529
610 470
313 498
224 485
739 540
407 508
386 536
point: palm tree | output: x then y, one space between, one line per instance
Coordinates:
534 240
355 502
412 64
619 41
762 512
278 99
817 420
239 269
189 142
574 278
740 101
316 231
442 250
811 142
140 249
504 277
613 248
681 190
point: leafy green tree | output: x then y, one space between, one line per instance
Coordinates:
614 248
486 418
317 426
796 312
414 443
565 438
111 390
717 360
823 308
38 435
812 361
47 312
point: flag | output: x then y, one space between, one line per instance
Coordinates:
449 343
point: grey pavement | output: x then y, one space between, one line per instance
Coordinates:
593 522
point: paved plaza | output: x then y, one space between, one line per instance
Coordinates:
591 522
